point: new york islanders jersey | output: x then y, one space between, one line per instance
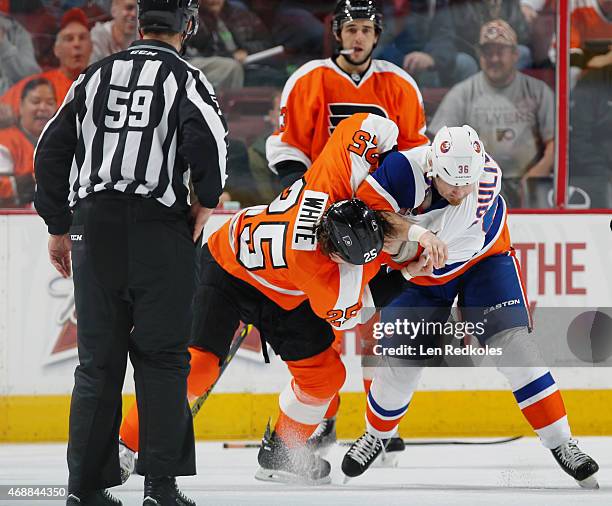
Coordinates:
274 247
472 230
320 94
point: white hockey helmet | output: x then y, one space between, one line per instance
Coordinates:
456 155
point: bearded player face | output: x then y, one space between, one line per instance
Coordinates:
360 37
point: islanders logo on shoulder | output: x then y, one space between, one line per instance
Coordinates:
445 146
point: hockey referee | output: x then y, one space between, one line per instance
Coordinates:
113 169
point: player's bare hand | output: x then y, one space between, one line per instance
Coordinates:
422 266
435 248
417 61
200 216
59 254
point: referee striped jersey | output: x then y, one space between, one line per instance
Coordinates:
141 122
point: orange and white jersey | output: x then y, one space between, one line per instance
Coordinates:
319 95
588 21
274 247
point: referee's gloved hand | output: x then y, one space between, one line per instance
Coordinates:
199 216
59 253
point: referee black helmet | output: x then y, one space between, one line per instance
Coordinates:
175 16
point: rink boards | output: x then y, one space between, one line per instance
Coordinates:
566 259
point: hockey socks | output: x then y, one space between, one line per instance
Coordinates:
538 396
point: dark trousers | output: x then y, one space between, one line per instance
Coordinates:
133 269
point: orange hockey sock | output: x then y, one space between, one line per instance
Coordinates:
129 428
292 432
204 372
332 410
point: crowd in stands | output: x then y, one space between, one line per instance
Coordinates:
487 63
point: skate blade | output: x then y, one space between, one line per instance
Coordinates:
590 482
285 477
346 479
386 460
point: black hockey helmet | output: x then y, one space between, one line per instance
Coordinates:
169 16
348 10
353 231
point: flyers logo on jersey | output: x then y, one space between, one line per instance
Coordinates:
340 111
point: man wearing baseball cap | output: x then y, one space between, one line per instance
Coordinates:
72 49
513 113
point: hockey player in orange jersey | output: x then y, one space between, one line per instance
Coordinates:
322 93
298 281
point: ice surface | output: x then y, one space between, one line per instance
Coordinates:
521 473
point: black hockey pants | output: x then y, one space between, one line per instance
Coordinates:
133 267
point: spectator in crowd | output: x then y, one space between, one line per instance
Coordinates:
293 26
228 33
425 46
17 143
531 9
40 24
16 53
512 113
73 50
591 20
470 15
590 146
268 184
94 9
117 34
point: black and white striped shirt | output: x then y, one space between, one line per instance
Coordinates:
140 122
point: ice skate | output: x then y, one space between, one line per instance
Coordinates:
127 461
577 464
389 457
324 436
96 498
280 463
362 454
164 492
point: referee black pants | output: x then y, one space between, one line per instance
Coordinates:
133 268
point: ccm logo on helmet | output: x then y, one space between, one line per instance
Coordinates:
445 147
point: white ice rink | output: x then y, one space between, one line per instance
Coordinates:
520 473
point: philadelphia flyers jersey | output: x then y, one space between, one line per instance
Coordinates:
274 247
320 94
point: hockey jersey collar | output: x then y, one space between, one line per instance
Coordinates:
351 77
152 44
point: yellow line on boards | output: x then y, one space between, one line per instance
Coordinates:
444 414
